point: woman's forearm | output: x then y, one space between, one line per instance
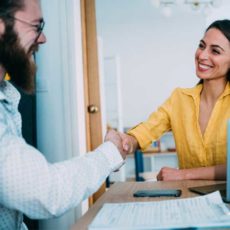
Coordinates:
217 172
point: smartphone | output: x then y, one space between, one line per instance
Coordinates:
157 193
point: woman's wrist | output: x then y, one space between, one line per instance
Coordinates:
188 174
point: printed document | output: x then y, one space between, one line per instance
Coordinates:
203 211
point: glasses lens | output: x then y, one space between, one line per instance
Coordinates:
40 29
40 26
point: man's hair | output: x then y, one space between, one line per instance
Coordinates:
8 8
224 27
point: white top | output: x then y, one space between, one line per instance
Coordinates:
31 185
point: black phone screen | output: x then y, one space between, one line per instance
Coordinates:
157 193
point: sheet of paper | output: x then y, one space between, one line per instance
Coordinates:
202 211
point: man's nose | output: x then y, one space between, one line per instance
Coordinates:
41 39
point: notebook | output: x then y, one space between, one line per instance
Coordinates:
224 188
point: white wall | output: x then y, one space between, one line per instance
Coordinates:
60 105
221 12
156 53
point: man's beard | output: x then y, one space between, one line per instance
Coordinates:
17 63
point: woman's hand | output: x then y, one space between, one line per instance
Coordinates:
169 174
129 143
217 172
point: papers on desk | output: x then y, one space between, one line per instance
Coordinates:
203 211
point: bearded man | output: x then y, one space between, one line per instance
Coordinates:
28 183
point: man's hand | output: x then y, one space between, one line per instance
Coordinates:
170 174
115 138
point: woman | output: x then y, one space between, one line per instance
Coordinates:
196 116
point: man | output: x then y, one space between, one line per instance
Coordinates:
28 183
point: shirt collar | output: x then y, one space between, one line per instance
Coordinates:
226 90
2 96
2 86
195 91
9 93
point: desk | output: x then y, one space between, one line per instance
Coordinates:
122 192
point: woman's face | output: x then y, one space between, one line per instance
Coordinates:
212 57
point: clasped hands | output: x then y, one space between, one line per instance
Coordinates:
125 143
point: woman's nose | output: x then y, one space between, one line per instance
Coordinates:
204 55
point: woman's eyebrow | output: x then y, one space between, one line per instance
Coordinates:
217 46
202 41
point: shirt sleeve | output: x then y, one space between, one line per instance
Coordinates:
158 123
28 183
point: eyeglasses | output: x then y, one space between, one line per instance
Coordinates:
39 27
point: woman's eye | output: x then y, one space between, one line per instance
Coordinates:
216 51
201 46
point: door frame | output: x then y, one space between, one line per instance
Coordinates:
94 130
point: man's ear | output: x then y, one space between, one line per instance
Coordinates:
2 27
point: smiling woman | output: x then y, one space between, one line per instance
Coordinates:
213 67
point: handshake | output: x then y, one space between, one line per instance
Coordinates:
125 143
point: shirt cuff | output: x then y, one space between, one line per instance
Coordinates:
142 135
112 155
